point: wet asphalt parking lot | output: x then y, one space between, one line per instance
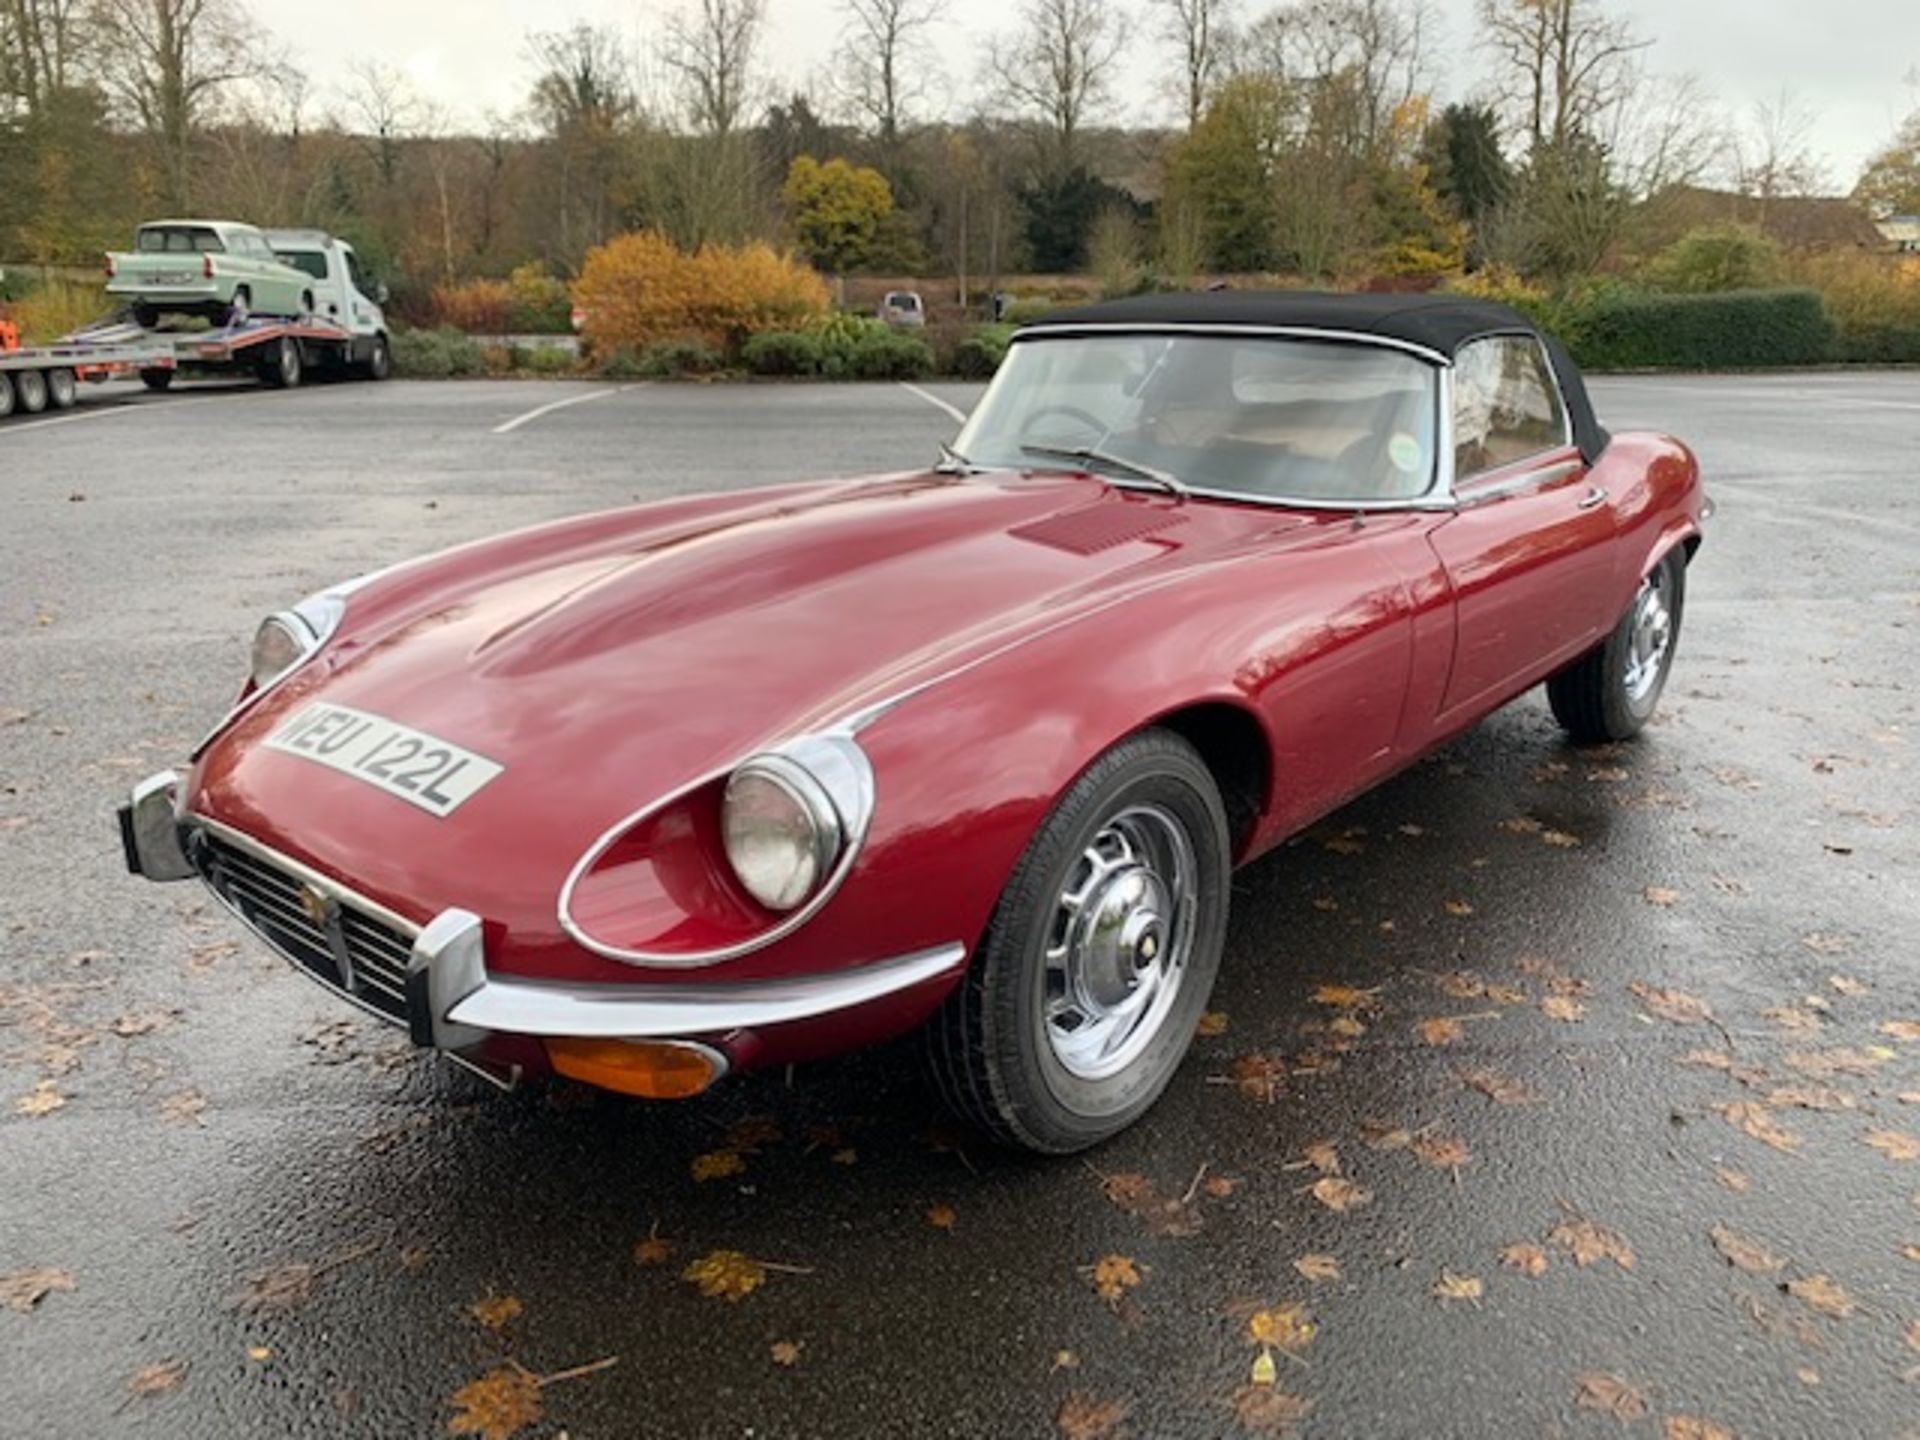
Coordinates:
1546 1092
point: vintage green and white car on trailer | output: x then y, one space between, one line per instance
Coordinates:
220 269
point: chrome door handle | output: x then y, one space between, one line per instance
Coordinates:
1594 496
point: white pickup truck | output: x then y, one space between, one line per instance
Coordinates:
344 294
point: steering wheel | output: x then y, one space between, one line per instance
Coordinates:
1072 412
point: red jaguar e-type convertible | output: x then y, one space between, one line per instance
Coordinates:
712 784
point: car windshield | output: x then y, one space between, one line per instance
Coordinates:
311 261
1262 417
179 240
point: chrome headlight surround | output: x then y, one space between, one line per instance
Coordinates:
282 643
829 767
780 830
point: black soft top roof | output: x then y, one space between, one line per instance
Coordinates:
1441 324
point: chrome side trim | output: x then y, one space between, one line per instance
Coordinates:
636 1012
1292 332
834 759
1517 484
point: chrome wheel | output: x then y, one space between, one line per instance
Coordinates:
1649 637
1119 942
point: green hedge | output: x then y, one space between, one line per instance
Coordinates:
980 354
1880 345
1735 330
436 354
844 348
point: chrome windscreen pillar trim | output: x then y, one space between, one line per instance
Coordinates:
645 1012
449 963
150 829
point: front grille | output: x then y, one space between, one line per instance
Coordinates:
342 946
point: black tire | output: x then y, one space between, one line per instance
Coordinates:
283 367
6 394
1600 698
146 317
63 389
30 391
990 1047
379 362
156 379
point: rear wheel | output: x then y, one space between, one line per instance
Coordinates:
1611 692
30 389
283 368
156 379
146 316
6 394
63 390
1083 995
240 308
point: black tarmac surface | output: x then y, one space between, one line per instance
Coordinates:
1553 1092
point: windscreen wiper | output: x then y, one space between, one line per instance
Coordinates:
952 462
1086 454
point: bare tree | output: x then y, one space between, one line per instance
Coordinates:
40 52
1060 64
383 111
1349 64
584 99
884 57
166 60
1201 31
710 50
1772 157
1565 63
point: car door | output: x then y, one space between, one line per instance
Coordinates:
1529 553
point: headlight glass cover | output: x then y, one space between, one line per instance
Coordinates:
781 831
281 642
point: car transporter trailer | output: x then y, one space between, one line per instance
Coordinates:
46 377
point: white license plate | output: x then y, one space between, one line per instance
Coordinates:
408 764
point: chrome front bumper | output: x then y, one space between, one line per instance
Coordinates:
454 1004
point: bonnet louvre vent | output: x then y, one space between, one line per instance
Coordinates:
1094 528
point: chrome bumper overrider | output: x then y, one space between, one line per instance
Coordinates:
454 1004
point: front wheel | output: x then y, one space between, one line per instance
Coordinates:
379 361
1085 990
1610 692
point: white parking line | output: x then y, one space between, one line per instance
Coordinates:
935 401
508 427
99 412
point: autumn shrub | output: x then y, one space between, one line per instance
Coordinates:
1874 301
549 360
640 288
622 364
436 354
478 307
541 304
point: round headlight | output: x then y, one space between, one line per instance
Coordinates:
278 645
781 831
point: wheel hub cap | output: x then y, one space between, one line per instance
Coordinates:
1117 948
1649 634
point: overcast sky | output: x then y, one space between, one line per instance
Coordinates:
1853 64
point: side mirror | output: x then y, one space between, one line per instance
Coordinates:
380 292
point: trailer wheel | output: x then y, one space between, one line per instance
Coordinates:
156 379
6 395
282 369
63 390
31 388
